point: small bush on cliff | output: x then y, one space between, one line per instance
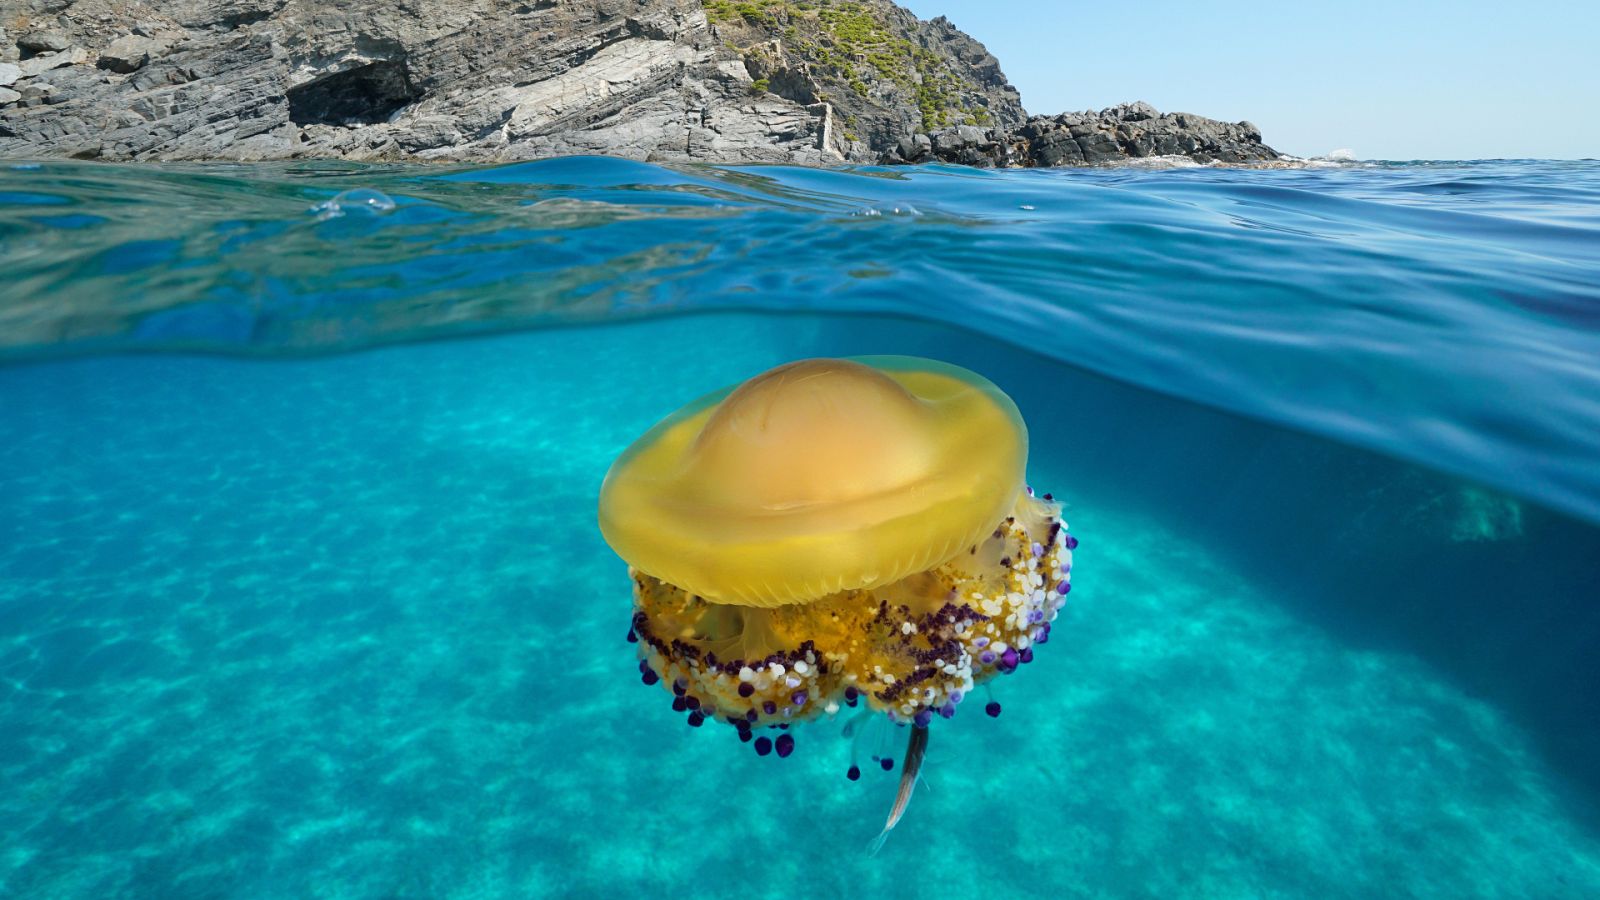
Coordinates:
846 42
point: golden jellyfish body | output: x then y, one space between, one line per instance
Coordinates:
831 533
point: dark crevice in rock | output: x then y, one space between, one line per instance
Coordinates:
245 15
792 84
229 23
607 39
367 95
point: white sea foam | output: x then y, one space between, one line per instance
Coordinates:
1317 162
1157 162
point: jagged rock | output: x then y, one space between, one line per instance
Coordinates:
9 74
44 62
129 53
46 40
964 144
915 147
1129 131
38 94
1137 111
7 95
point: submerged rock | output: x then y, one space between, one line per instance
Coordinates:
713 80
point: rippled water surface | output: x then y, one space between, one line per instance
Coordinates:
1444 312
282 618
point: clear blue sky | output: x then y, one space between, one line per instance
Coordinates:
1404 79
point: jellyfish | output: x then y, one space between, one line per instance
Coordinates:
837 534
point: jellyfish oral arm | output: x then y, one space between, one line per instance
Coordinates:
916 749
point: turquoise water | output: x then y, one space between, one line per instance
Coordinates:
295 604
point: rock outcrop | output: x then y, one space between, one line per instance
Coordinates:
811 81
883 73
1129 131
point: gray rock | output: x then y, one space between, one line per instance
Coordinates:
914 147
1138 111
129 53
9 73
44 62
7 95
38 94
45 40
950 142
1056 149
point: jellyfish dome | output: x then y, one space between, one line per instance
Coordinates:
834 533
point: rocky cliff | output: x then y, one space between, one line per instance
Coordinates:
811 81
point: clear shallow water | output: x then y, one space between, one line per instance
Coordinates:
344 626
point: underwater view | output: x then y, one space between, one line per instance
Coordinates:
313 582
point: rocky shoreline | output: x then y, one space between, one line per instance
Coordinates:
728 81
1129 131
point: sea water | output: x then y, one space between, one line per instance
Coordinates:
301 592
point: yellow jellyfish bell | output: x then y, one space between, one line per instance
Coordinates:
816 477
836 533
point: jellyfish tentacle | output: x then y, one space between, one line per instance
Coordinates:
852 728
856 730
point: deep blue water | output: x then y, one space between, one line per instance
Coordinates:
294 602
